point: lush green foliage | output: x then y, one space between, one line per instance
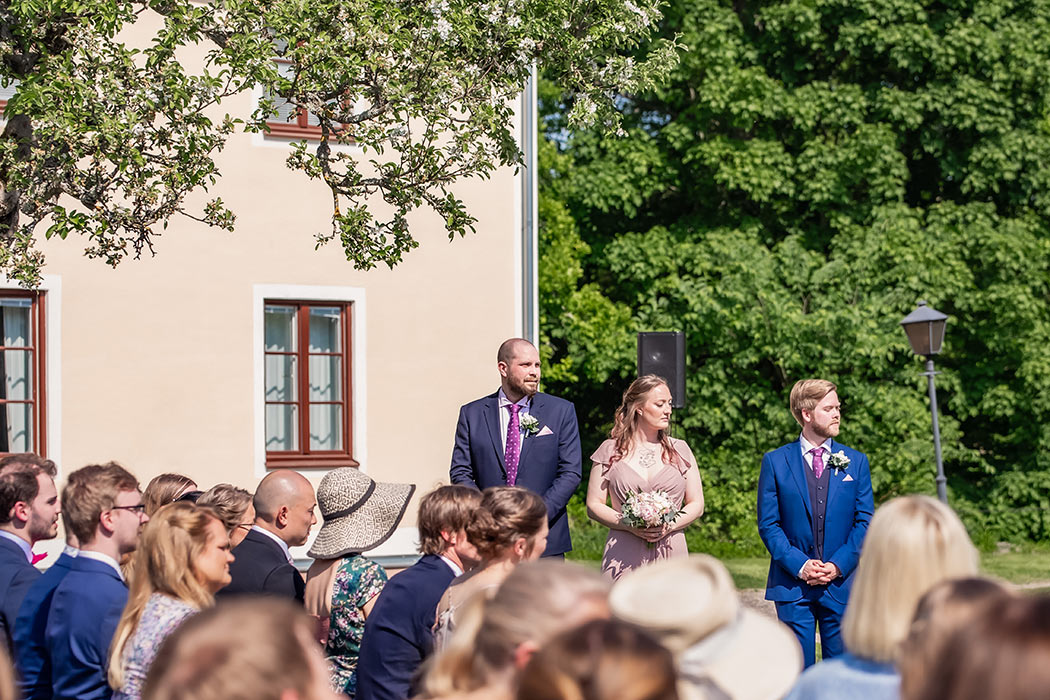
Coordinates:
813 169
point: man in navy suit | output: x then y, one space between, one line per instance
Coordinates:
814 506
520 437
284 513
104 509
398 636
29 511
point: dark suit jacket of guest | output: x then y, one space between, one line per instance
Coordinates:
549 464
260 568
85 610
398 636
31 657
16 576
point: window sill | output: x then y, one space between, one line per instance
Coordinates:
275 461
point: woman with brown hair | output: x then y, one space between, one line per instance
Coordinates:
640 457
508 528
165 489
233 506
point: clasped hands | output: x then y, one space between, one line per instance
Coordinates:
818 573
653 534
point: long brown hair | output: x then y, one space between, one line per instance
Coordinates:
627 417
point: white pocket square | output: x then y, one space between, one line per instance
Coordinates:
545 431
847 478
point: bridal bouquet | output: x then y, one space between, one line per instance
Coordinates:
648 509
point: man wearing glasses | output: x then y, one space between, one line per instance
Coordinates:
104 510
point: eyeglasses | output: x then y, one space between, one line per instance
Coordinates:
139 509
245 526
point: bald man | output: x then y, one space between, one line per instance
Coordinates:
284 513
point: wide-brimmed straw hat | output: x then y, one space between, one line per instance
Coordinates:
359 513
722 649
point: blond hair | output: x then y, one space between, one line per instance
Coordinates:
229 503
89 492
165 562
536 601
165 489
806 394
626 418
913 543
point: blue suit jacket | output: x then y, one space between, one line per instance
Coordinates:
31 657
786 527
549 464
16 576
84 613
397 636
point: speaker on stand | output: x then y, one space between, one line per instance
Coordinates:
663 354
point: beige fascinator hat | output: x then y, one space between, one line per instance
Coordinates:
359 513
722 649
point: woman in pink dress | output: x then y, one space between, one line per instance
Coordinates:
638 457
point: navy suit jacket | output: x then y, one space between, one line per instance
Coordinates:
260 568
31 657
85 610
786 526
398 636
549 464
16 576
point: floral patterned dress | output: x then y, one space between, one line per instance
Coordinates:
358 581
160 617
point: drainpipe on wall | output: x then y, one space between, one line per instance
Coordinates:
530 313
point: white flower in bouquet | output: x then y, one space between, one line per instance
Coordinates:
648 509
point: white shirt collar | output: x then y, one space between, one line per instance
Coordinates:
456 568
26 549
104 558
525 401
70 551
278 540
807 445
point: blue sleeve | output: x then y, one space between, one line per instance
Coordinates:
787 556
462 470
570 465
847 556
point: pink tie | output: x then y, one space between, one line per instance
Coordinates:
818 461
513 452
37 558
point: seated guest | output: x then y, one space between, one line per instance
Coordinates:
945 609
165 489
28 513
261 649
165 591
600 660
510 527
496 636
342 585
284 513
233 506
913 543
105 511
398 633
721 648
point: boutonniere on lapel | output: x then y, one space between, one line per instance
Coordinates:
530 425
838 461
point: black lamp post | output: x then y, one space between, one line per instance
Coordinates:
925 330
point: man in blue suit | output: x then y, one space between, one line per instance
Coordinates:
29 511
105 511
814 506
520 437
398 636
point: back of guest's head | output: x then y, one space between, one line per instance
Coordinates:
913 543
445 509
600 660
28 461
536 601
89 492
509 516
229 503
1001 653
806 394
944 610
18 480
248 649
165 489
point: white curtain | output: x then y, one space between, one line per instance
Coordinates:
280 378
18 375
326 420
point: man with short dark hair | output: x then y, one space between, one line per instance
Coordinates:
398 636
29 511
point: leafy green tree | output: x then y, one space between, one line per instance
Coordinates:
106 139
812 169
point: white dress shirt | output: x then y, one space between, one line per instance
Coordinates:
504 414
456 568
807 457
105 559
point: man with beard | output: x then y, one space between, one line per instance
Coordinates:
814 506
519 436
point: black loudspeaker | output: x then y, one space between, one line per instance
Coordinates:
663 354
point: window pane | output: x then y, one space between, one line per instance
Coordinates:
280 377
326 427
16 325
324 330
18 427
279 328
281 428
325 378
18 375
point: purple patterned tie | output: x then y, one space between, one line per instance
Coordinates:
513 452
818 461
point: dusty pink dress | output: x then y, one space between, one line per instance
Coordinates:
625 550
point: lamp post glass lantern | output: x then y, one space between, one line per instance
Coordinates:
925 330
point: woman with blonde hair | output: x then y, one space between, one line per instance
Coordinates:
233 506
913 543
165 489
496 636
508 528
641 457
183 558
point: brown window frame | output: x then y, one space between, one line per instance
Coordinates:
299 129
304 457
38 349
